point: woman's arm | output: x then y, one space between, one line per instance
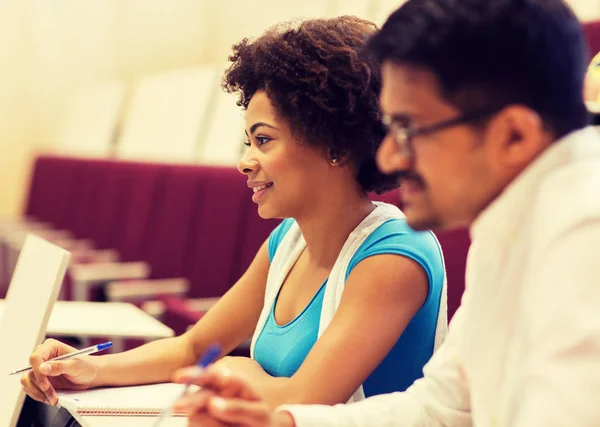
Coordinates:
229 323
381 296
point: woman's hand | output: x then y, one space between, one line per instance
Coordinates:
46 377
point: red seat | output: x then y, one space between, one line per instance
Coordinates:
122 208
222 232
592 33
166 244
52 188
227 232
255 231
86 203
133 219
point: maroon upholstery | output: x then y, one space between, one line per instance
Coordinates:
51 189
255 231
137 205
116 200
592 33
166 243
226 233
85 205
219 232
113 201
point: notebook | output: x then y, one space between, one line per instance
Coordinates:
33 289
141 400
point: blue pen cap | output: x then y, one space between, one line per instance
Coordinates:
211 354
104 346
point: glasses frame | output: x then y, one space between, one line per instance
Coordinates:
404 133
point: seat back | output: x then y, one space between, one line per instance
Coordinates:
166 115
592 33
255 231
217 229
221 141
133 221
53 184
167 242
88 123
86 205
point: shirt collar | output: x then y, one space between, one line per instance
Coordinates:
504 215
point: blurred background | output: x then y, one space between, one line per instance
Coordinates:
93 77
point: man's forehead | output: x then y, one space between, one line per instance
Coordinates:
406 87
407 74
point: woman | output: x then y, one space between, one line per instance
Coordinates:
344 299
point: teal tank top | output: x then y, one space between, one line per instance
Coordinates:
281 349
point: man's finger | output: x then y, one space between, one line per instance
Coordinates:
194 402
239 411
203 420
188 375
220 380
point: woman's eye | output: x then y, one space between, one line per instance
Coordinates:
262 140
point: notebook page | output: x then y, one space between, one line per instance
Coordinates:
133 400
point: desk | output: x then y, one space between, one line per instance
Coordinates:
103 319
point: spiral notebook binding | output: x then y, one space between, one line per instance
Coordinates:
123 410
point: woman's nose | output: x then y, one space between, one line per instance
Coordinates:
248 164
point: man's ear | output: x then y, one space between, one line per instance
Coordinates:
515 136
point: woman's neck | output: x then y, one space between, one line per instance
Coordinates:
326 225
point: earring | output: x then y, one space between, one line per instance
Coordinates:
333 162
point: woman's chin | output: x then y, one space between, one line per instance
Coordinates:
265 213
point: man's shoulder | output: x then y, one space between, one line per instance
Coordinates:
569 195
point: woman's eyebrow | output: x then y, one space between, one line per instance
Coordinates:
259 124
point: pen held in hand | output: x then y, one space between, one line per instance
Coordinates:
210 356
83 352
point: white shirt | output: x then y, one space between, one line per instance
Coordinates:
523 350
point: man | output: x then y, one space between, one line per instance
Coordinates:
487 126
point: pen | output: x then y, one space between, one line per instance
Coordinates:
209 357
82 352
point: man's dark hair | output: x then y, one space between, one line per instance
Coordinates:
494 53
319 79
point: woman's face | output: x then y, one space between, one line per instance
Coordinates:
286 175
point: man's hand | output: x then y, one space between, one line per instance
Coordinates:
225 399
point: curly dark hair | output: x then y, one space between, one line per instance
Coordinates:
494 53
320 80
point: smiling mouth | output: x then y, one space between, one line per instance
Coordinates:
261 187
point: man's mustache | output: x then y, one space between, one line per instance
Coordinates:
408 175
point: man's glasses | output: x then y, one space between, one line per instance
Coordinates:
403 132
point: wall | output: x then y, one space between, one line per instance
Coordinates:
49 47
